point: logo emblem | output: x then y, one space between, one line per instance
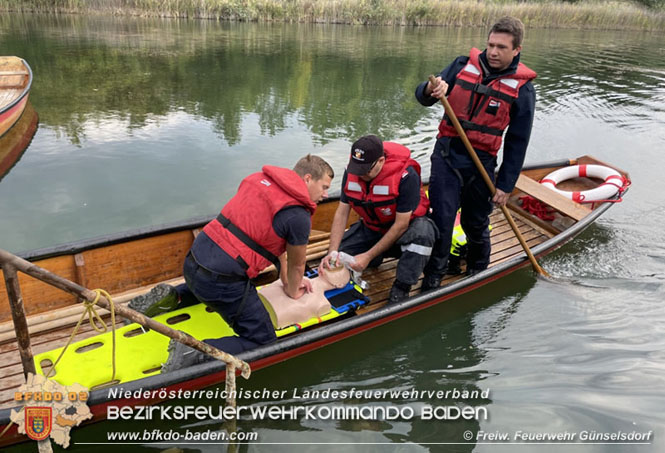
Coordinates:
494 104
265 182
359 154
38 422
386 212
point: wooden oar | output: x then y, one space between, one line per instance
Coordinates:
486 178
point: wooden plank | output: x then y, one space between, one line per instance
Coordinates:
550 197
543 225
316 235
55 337
11 370
516 250
498 239
10 385
139 263
38 296
15 86
325 212
79 262
505 228
114 268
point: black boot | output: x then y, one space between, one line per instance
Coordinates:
454 267
472 272
182 356
160 299
399 292
430 282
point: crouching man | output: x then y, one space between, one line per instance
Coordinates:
382 184
269 215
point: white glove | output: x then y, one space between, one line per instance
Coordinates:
347 260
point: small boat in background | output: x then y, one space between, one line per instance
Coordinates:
14 143
15 83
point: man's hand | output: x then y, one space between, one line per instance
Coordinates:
361 262
326 262
500 197
304 288
437 91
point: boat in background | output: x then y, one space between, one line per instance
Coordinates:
14 143
15 83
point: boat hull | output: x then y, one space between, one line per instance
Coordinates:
508 258
15 84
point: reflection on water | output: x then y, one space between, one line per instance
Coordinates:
325 77
17 140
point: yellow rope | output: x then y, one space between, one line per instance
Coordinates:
93 319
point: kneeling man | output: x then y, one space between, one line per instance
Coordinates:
382 184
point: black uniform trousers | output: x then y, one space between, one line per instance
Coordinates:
236 301
451 189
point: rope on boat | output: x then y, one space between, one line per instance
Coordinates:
626 183
545 212
537 207
93 319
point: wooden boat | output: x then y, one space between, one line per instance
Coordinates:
14 143
129 264
15 82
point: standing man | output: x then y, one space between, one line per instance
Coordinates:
490 92
382 184
269 215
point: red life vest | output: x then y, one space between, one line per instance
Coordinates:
483 110
376 202
244 227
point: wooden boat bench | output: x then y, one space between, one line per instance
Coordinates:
557 201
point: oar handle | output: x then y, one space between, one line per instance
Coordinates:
474 157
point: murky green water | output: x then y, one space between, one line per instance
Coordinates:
145 122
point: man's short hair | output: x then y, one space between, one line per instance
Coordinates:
511 25
315 166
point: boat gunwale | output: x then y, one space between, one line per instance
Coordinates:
210 373
25 92
70 248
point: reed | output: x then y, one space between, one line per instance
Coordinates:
587 14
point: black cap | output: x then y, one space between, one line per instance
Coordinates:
364 152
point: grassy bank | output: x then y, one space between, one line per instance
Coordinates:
587 14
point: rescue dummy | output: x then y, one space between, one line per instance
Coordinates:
285 311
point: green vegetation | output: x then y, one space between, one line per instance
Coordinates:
588 14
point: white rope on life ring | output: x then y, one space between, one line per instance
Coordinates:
613 182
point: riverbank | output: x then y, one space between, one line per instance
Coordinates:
592 14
